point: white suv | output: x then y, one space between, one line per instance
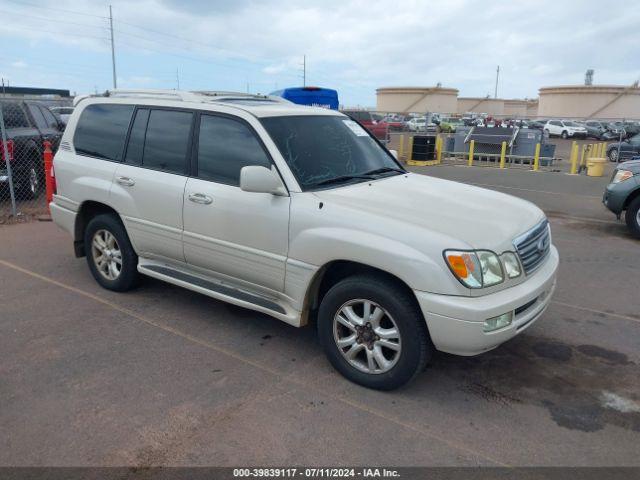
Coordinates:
565 129
299 213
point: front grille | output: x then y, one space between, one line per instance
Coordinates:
533 246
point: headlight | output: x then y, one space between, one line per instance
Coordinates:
475 269
621 176
511 264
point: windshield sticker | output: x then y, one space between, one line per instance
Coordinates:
355 128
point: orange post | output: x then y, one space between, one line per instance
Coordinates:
48 166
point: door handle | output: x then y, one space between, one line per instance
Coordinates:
126 181
200 198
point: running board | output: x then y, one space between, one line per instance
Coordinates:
219 291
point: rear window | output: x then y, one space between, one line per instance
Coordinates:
102 130
14 116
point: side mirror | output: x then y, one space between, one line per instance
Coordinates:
257 179
394 153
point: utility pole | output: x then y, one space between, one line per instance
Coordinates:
177 79
113 49
304 71
495 94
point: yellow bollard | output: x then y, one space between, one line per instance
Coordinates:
604 149
401 147
472 144
536 158
574 158
439 142
502 154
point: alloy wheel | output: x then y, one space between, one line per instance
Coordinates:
106 254
367 336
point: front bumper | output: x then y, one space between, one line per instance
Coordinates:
616 194
455 323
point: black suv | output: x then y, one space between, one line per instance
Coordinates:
621 151
28 125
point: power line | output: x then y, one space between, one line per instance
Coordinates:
40 7
21 27
48 20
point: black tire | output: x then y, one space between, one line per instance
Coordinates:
564 135
613 155
632 217
416 346
128 276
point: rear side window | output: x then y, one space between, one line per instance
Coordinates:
224 147
136 138
102 130
50 117
38 117
14 116
167 140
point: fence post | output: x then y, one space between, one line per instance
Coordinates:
472 144
48 165
7 161
536 158
502 154
574 158
401 147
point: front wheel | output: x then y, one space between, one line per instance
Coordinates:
632 217
564 135
613 155
373 332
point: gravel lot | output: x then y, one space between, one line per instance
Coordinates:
164 376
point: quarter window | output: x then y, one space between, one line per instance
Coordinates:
135 148
224 147
102 129
14 116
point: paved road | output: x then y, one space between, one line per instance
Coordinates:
164 376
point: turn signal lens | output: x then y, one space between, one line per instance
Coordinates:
621 176
466 267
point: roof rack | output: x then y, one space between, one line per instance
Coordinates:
183 95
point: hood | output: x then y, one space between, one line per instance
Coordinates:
481 218
633 165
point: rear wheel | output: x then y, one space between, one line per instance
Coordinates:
111 258
28 186
632 216
373 332
613 155
564 135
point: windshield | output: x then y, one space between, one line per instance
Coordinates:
571 124
323 150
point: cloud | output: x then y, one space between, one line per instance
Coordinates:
19 64
355 46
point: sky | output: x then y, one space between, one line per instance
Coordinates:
354 46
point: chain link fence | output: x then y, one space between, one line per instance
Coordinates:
22 175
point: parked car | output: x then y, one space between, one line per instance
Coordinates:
537 124
372 122
621 151
63 113
297 212
395 123
565 129
623 194
595 129
450 124
27 124
617 128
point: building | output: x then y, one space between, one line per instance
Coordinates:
416 99
590 101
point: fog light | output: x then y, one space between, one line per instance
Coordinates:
495 323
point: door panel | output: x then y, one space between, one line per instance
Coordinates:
150 203
240 234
